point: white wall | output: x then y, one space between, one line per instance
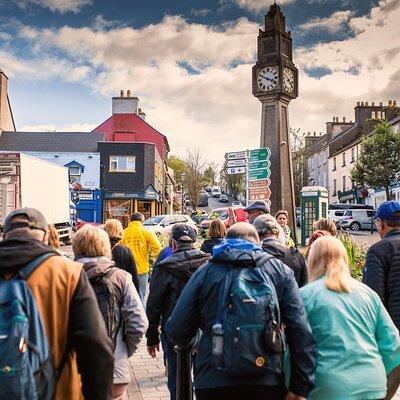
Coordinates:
90 178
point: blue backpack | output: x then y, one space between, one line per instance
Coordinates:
246 337
26 362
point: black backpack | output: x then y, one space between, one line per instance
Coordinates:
109 300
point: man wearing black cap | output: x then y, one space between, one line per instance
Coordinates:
382 268
168 280
74 326
255 209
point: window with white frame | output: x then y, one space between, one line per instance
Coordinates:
122 164
353 155
344 159
334 163
74 174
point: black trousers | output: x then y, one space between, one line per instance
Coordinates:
242 392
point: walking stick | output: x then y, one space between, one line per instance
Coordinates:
184 388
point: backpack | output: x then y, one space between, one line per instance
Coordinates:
109 301
26 362
248 321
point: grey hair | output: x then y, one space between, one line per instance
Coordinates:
260 225
243 230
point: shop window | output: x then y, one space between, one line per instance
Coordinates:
122 164
120 209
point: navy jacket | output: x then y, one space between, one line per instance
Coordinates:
197 308
382 272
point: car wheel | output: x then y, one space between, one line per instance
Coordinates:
355 226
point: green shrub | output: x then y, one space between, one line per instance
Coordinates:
356 254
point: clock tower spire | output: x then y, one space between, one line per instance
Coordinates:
275 84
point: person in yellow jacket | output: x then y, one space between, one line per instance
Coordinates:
141 242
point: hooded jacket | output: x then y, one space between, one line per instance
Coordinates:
141 242
290 256
169 278
133 316
197 308
70 314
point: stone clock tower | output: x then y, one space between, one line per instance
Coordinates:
275 83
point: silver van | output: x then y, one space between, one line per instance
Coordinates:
357 219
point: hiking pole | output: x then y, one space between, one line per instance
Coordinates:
184 389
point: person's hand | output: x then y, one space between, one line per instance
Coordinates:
292 396
152 350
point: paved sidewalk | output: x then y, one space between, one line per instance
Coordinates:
150 381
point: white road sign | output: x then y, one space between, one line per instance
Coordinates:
237 155
236 163
236 170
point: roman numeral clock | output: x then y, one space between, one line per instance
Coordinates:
275 84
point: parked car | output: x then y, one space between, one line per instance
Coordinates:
223 198
336 215
357 219
237 203
216 191
203 200
222 214
161 224
198 216
208 189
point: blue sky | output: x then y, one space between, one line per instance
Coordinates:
189 62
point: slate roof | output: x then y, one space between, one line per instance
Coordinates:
50 141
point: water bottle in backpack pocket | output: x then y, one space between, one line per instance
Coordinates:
26 362
248 315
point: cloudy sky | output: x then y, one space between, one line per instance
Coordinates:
189 62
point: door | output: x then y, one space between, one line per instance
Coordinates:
370 216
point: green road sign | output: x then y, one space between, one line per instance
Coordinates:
259 164
259 154
258 174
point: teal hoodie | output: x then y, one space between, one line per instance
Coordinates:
357 342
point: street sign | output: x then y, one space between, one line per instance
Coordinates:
259 154
260 193
260 183
259 164
257 174
237 155
236 170
236 163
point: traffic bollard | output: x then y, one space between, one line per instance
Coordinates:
184 387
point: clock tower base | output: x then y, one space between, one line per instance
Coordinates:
275 135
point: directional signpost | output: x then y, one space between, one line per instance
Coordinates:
236 170
236 163
258 174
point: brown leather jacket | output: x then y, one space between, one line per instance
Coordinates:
70 314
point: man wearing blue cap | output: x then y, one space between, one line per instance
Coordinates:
382 268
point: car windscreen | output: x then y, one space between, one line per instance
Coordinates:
154 220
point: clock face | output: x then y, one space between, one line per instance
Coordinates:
268 79
288 80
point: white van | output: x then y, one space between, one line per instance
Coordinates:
216 191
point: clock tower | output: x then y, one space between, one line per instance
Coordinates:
275 84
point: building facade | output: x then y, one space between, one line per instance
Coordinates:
6 116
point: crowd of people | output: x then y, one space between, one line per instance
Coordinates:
262 320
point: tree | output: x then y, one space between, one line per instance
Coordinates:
193 175
299 163
179 166
210 174
379 162
235 183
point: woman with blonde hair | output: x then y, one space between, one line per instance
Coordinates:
217 233
118 300
358 344
122 255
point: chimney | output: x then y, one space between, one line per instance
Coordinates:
362 104
6 117
128 93
344 119
141 114
373 104
394 103
121 94
380 104
366 104
358 104
390 103
125 105
315 133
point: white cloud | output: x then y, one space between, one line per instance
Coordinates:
77 127
258 5
214 108
332 23
61 6
203 12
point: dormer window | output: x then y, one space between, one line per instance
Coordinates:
75 171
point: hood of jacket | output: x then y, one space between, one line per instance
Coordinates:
184 263
96 266
237 253
17 252
274 247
